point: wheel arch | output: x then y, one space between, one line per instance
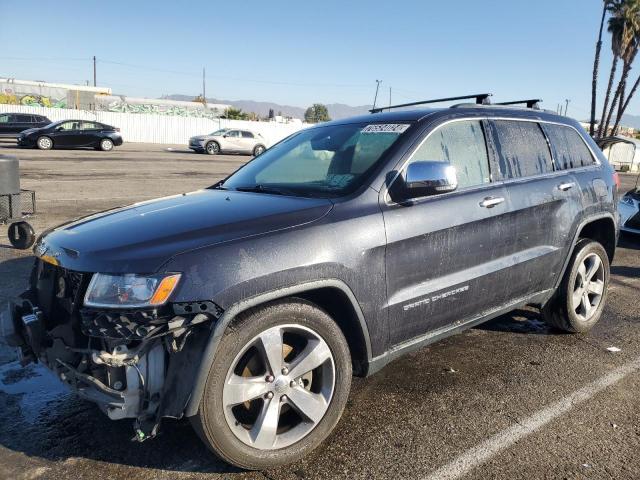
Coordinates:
333 296
602 229
207 142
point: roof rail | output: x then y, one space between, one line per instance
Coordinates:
481 99
532 103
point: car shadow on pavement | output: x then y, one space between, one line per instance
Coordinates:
626 271
527 321
40 417
14 273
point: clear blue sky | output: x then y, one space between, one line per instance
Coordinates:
296 53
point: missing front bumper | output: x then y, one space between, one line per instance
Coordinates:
135 377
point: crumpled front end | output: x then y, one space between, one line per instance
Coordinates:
136 363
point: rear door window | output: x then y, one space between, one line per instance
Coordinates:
462 144
247 134
522 148
569 149
23 118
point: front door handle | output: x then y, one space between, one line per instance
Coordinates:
566 186
491 202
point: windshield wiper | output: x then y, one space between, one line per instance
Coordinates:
260 189
218 186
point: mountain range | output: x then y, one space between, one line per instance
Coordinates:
336 110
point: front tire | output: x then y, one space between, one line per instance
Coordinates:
258 150
212 148
44 143
106 145
578 303
277 386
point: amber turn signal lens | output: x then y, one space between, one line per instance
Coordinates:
165 289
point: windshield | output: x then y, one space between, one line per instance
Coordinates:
326 161
219 132
53 124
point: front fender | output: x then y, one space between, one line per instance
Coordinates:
223 322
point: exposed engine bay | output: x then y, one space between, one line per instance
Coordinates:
137 363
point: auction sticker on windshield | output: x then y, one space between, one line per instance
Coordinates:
386 128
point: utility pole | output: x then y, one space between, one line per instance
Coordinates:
566 107
389 98
375 98
94 71
204 89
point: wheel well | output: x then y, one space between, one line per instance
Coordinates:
337 304
602 231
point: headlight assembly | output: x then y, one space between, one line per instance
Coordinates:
627 200
130 290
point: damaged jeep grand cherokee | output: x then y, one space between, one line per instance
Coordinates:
248 306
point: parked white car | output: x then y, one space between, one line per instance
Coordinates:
229 140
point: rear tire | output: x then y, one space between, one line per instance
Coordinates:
44 143
578 303
106 145
212 148
306 408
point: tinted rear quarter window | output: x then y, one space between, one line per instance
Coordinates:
569 149
521 147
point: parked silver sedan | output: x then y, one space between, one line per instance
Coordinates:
229 140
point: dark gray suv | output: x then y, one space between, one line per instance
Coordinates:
248 306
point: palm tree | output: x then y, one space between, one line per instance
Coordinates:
631 93
596 67
627 56
616 29
632 20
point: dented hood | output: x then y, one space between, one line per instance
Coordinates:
141 237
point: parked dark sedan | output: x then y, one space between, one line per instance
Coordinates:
71 134
11 124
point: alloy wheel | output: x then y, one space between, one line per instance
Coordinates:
588 287
279 387
45 143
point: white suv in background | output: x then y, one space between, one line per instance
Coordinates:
229 140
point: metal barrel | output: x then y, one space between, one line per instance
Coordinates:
9 187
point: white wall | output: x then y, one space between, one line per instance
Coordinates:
139 127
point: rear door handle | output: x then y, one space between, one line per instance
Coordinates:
566 186
491 202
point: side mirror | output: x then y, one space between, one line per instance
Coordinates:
429 178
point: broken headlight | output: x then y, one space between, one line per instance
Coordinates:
130 290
